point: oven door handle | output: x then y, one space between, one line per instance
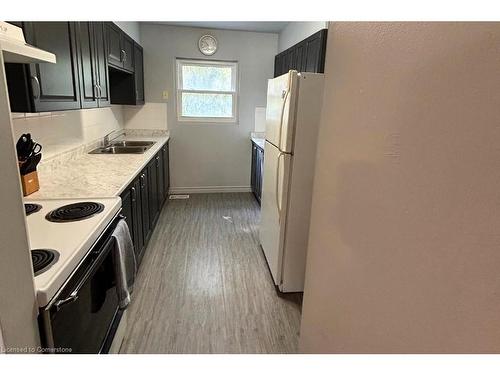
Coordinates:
73 296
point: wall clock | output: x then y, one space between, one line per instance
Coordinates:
207 45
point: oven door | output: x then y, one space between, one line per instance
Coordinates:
81 316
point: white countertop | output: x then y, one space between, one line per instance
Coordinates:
95 175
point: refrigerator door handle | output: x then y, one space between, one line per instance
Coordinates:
278 206
284 95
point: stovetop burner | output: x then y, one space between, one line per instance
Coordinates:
75 212
42 259
30 208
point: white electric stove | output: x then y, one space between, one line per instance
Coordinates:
69 232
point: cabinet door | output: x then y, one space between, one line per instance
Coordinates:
166 170
161 181
287 62
254 168
54 86
137 219
127 52
258 176
301 56
139 74
127 209
153 192
278 62
293 58
260 171
313 54
316 49
86 64
101 53
144 185
113 38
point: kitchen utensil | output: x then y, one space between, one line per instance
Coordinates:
36 149
30 164
23 146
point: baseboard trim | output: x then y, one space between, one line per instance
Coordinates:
209 189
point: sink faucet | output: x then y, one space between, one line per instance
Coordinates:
106 140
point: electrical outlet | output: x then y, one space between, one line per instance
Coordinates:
165 95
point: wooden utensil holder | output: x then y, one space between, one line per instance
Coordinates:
29 182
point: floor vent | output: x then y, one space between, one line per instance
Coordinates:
178 196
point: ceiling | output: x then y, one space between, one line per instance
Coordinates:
264 26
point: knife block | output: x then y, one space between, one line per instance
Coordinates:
30 183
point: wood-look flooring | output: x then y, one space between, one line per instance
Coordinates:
204 285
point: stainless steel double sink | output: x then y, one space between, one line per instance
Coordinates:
124 147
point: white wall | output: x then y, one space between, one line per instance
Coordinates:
403 250
208 157
132 29
294 32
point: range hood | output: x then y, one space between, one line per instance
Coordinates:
16 50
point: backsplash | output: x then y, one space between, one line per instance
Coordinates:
66 132
60 132
147 116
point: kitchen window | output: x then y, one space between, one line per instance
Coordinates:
207 91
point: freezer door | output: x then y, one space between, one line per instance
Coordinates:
273 207
280 110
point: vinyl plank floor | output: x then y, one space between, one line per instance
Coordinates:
204 285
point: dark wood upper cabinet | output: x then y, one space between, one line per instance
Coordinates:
139 74
128 52
313 56
128 88
120 48
93 68
97 64
305 56
87 65
101 58
113 38
46 87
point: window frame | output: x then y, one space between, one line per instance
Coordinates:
180 62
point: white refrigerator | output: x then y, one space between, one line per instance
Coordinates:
292 119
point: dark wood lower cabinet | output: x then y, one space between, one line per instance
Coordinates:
153 192
166 170
146 227
143 200
257 171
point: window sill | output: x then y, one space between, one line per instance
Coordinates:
207 121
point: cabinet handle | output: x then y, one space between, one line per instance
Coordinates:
35 79
142 180
124 55
133 194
